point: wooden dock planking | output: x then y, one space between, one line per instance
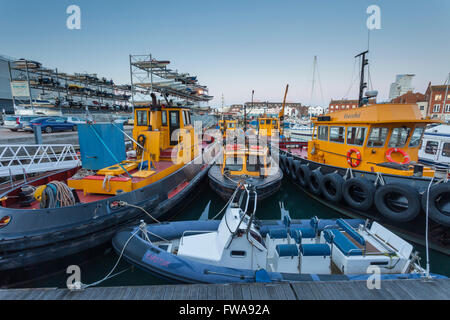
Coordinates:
309 290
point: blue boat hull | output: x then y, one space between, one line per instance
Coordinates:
163 264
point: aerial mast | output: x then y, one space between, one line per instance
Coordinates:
362 84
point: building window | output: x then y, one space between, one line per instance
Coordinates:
323 133
356 135
421 108
377 137
431 147
447 108
337 134
436 107
438 97
348 107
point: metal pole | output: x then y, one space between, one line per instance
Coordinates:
59 94
132 90
29 87
151 71
10 81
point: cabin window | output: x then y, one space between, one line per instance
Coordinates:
238 254
234 163
323 133
377 137
164 118
231 125
356 135
337 134
184 118
431 147
416 137
174 120
188 115
446 150
254 163
274 122
261 122
141 116
399 137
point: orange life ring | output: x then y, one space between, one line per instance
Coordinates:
350 160
406 158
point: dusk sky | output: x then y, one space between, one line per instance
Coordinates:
236 46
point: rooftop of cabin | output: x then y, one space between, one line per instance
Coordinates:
377 113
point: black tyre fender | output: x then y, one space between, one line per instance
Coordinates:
363 199
439 196
282 162
288 165
303 175
316 181
332 187
294 168
389 200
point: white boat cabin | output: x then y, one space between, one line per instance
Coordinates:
435 148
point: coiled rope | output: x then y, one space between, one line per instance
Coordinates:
57 194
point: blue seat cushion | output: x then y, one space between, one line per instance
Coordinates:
342 242
315 249
305 232
278 233
349 229
287 250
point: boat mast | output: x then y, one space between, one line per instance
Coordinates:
362 84
281 114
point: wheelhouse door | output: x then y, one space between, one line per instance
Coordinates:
174 124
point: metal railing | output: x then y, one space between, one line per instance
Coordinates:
26 159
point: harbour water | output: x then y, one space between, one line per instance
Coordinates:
298 204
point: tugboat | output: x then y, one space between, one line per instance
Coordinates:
69 215
363 162
245 163
241 249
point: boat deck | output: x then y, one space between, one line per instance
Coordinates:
418 289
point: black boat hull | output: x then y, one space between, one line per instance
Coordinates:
224 187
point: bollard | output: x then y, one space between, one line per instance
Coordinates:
37 134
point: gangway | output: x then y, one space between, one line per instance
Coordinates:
34 158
